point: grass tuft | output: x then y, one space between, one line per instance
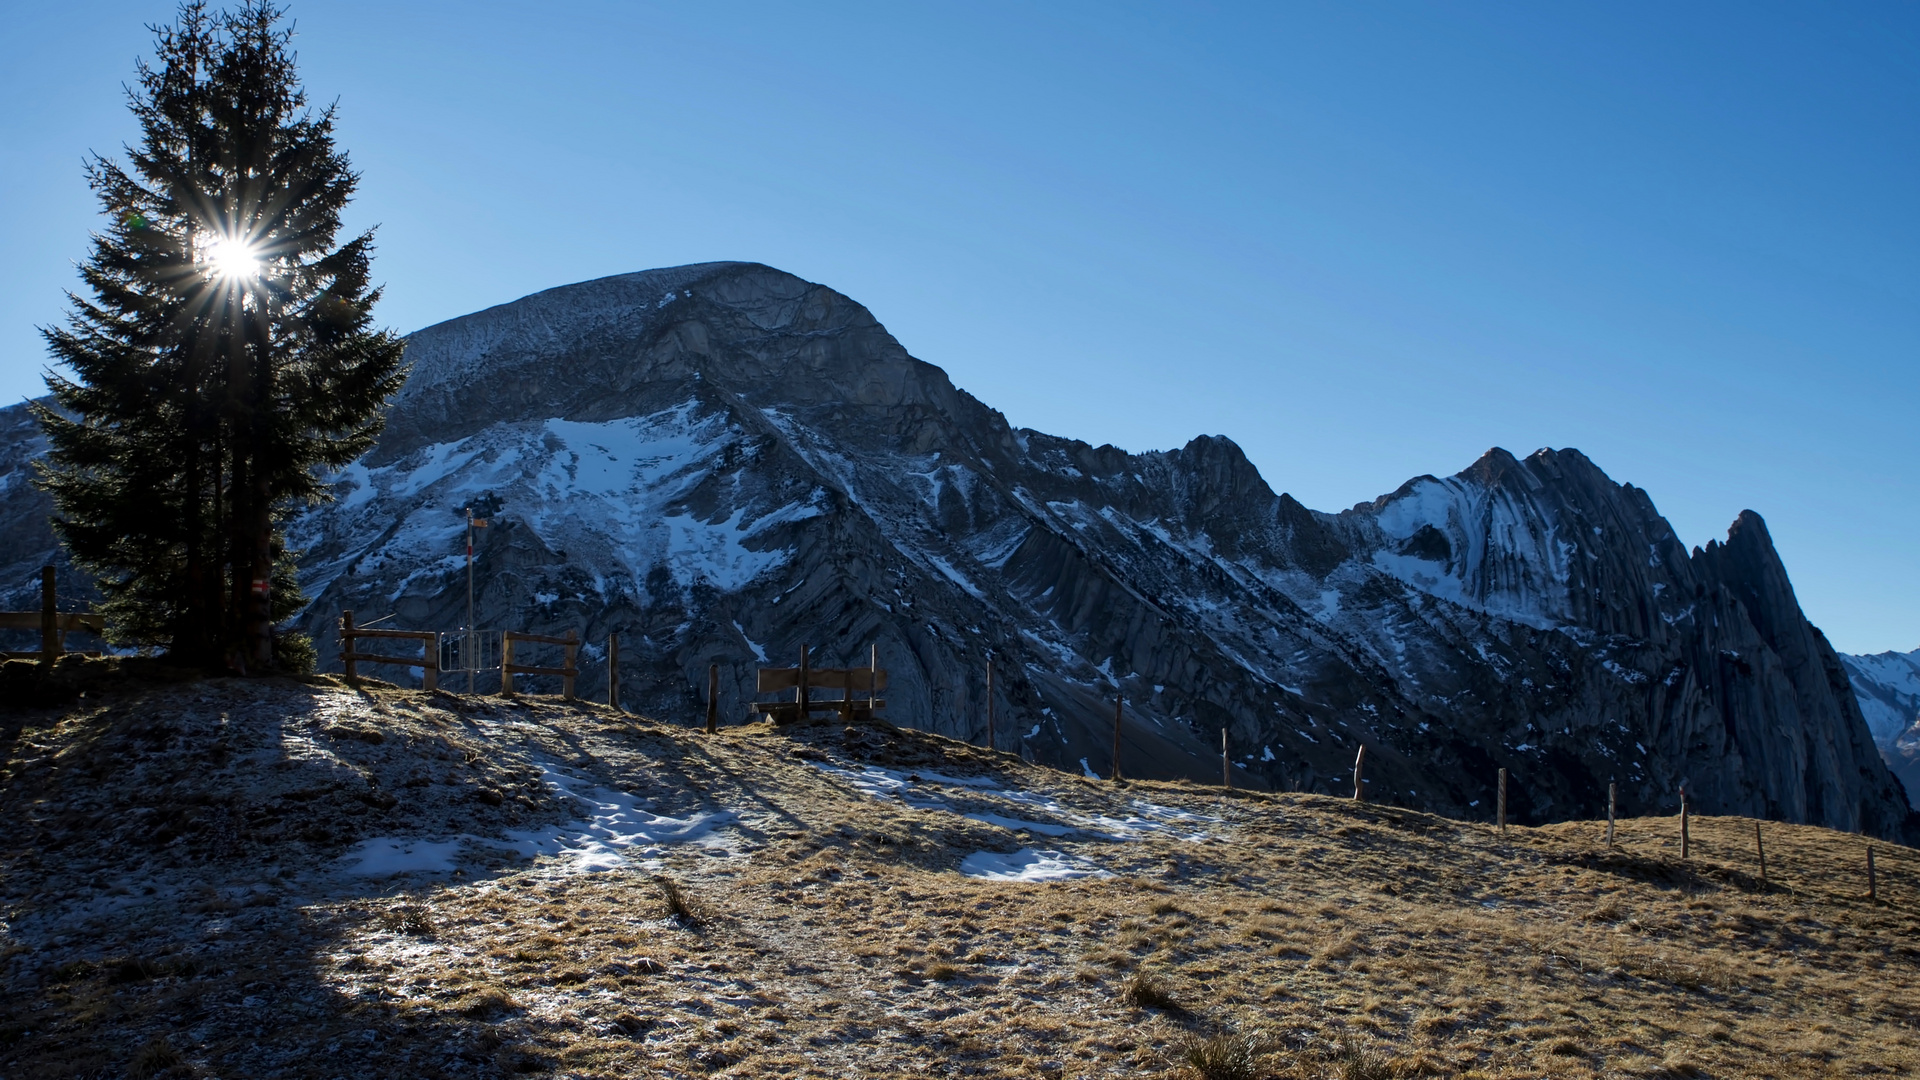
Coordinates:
679 907
157 1059
1143 991
412 921
1355 1062
489 1002
1222 1056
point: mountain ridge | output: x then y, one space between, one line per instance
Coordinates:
722 462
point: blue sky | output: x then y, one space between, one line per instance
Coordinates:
1364 241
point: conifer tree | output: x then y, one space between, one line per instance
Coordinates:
226 357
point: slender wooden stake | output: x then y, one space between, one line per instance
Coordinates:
989 702
713 698
430 670
613 671
1686 836
1226 764
566 681
873 676
1501 801
1613 800
1117 702
52 641
1873 888
346 645
1760 847
1359 765
800 694
506 663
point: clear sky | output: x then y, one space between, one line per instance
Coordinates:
1364 241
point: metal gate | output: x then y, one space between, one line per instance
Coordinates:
471 651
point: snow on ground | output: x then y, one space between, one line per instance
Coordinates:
984 799
1028 865
613 829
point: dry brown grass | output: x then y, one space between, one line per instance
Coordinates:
1305 937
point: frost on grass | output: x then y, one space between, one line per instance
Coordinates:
889 905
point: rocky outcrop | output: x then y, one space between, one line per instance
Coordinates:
723 462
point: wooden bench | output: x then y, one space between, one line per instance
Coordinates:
806 679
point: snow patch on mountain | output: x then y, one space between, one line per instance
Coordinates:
1888 687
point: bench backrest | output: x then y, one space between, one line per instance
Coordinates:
849 679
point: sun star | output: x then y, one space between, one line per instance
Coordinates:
232 258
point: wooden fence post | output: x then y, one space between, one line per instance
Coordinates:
1117 704
506 663
1359 767
52 641
1873 888
800 694
346 644
430 670
713 698
1760 848
613 672
989 702
1613 799
1501 801
573 651
1686 837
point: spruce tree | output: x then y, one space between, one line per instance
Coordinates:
226 358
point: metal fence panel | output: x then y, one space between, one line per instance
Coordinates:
470 650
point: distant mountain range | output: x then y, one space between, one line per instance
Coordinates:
1888 686
724 462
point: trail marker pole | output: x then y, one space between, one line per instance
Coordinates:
713 698
1873 889
1117 703
873 677
1613 799
1501 802
1360 765
1760 848
613 672
467 651
1226 764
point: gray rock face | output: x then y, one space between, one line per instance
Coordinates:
723 462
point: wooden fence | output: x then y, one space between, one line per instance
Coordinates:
429 659
352 658
566 674
54 625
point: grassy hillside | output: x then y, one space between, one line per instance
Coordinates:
251 879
